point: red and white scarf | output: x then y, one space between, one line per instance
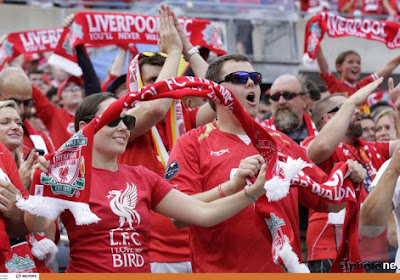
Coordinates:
26 42
387 32
67 184
100 29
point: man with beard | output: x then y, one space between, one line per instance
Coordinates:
289 97
339 123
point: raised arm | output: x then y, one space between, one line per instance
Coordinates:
388 68
323 65
378 206
150 113
335 129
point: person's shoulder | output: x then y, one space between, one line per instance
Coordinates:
307 141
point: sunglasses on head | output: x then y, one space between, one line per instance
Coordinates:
288 95
242 78
150 54
128 120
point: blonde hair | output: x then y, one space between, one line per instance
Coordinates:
12 104
391 113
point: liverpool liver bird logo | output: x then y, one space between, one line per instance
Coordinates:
123 204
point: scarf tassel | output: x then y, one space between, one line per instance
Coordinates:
288 169
291 261
44 249
50 208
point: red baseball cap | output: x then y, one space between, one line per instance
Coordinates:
76 80
32 56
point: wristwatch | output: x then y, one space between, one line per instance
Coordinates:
190 52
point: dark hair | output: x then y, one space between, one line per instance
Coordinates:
156 60
35 71
90 106
214 69
313 90
51 92
342 56
366 117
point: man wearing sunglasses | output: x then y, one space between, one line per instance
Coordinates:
15 85
289 99
338 121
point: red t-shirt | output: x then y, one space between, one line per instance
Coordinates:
321 242
58 122
339 86
120 241
200 160
168 244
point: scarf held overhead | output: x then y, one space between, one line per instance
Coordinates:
67 183
387 32
27 42
101 29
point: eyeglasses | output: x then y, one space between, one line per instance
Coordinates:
73 88
27 103
150 54
288 95
128 120
335 109
242 78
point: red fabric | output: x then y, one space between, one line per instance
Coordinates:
340 86
80 147
372 7
386 32
320 236
312 130
8 172
107 246
342 3
74 79
28 42
58 121
235 245
28 144
100 29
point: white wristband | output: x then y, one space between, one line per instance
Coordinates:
190 52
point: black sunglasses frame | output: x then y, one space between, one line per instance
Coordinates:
288 95
27 103
242 77
128 120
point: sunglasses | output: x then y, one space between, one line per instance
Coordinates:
335 109
150 54
288 95
128 120
242 78
27 103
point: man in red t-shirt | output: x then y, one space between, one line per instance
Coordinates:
15 85
338 120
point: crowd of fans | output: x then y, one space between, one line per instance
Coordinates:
209 180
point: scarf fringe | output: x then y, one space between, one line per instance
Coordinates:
44 249
65 64
51 208
291 260
278 188
336 218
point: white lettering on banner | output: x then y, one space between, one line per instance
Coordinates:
335 194
395 43
100 36
129 23
359 27
37 40
128 36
